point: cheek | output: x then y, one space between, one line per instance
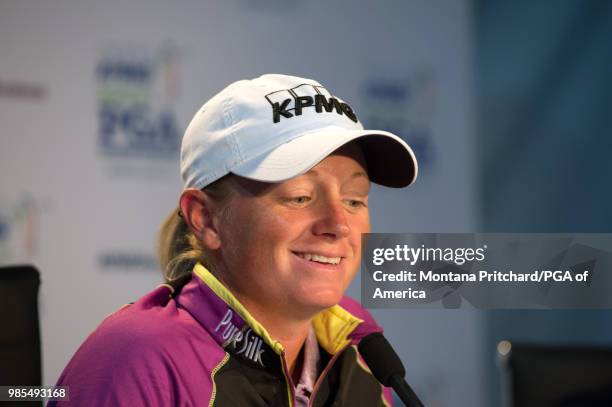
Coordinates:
361 225
257 237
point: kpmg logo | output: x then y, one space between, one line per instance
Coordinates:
245 343
136 96
288 103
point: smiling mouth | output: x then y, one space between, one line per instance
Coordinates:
319 258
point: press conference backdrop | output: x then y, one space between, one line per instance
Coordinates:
94 99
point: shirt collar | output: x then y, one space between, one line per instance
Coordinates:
221 314
310 369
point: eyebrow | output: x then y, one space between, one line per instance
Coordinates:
360 174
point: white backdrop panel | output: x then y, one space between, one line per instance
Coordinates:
88 217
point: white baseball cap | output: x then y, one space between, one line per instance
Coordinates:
277 127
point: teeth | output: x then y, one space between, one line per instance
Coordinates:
318 258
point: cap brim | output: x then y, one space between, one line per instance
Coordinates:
391 162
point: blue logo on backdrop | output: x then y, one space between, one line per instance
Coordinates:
136 94
403 106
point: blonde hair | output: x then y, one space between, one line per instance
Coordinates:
178 249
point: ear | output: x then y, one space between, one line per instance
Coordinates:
196 208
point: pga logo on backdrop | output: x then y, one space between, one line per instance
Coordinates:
136 96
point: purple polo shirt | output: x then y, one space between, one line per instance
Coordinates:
151 353
162 350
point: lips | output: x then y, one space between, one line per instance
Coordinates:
319 258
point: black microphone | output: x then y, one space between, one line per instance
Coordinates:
387 367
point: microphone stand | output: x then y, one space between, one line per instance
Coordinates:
404 392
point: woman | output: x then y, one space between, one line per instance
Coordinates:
266 239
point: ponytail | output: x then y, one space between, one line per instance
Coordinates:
178 249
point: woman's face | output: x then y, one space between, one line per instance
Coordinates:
294 247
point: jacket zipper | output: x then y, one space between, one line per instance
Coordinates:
323 374
288 380
212 376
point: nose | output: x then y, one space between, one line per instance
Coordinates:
332 222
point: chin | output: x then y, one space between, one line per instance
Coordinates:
319 300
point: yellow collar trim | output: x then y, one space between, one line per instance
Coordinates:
332 326
223 293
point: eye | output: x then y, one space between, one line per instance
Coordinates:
299 200
355 203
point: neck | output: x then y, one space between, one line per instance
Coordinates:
290 332
290 329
